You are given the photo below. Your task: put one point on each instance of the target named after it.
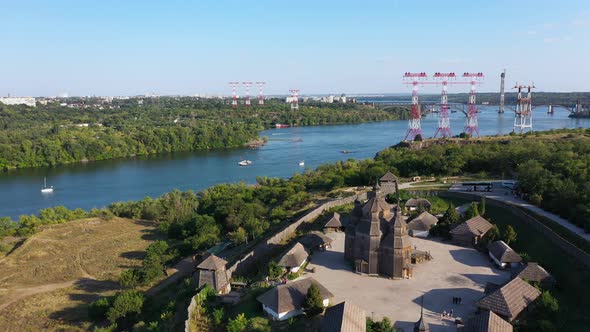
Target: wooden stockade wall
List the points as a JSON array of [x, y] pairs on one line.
[[264, 249], [562, 243], [190, 310]]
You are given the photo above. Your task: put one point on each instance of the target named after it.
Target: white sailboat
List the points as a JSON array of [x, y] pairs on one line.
[[46, 190], [245, 162]]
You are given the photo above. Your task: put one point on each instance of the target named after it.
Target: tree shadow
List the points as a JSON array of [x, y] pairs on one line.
[[134, 254], [92, 290], [17, 245]]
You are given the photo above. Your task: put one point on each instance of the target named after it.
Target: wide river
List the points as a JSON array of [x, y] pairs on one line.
[[97, 184]]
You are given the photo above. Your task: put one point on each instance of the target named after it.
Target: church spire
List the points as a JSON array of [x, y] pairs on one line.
[[421, 325], [397, 196]]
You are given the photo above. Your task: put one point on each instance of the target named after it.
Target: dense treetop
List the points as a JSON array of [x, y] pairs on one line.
[[89, 129]]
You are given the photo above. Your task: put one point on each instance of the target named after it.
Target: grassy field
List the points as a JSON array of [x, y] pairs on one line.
[[46, 283]]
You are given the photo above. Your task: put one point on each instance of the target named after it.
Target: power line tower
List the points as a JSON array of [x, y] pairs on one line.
[[444, 122], [294, 99], [502, 77], [414, 125], [523, 116], [234, 88], [260, 93], [471, 125], [247, 85]]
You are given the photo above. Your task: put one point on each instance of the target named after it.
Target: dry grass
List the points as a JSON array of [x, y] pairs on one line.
[[47, 282]]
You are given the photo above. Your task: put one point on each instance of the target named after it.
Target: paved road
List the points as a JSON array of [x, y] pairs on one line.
[[499, 194]]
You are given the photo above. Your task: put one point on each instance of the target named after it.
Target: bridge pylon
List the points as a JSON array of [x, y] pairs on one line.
[[523, 115], [414, 124], [471, 125], [444, 122], [234, 88]]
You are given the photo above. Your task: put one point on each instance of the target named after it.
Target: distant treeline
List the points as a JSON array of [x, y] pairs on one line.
[[568, 99], [51, 135]]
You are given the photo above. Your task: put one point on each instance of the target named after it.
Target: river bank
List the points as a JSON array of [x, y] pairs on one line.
[[97, 184]]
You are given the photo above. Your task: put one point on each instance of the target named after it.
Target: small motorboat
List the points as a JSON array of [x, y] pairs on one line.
[[345, 151], [301, 163], [245, 162], [45, 189]]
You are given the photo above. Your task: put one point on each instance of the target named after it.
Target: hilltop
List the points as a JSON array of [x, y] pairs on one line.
[[47, 282]]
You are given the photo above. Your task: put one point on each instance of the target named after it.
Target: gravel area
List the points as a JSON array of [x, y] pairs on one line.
[[454, 271]]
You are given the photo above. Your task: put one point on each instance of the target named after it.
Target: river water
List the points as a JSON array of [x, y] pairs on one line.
[[97, 184]]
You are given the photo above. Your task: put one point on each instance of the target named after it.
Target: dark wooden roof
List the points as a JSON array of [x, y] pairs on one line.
[[315, 239], [334, 222], [475, 226], [414, 202], [212, 263], [388, 177], [376, 204], [487, 321], [422, 222], [290, 296], [344, 317], [294, 257], [533, 272], [503, 252], [510, 299]]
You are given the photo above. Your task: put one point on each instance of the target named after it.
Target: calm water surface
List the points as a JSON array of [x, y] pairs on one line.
[[100, 183]]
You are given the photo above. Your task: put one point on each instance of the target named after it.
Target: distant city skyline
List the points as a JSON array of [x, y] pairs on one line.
[[114, 48]]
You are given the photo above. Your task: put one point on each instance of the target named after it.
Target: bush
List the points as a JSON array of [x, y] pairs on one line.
[[548, 303], [125, 304], [102, 214], [383, 326], [238, 324], [509, 235], [259, 324], [218, 316], [493, 234], [418, 138], [313, 304], [97, 310], [110, 328], [130, 278], [274, 271]]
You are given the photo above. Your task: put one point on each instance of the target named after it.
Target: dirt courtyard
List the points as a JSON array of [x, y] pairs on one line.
[[454, 271]]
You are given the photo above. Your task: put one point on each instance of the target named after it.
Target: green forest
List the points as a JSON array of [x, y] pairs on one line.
[[90, 130]]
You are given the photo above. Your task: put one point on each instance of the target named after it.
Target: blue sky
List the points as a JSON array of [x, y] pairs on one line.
[[186, 47]]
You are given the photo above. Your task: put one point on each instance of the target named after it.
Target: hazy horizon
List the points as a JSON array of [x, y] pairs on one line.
[[111, 48]]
